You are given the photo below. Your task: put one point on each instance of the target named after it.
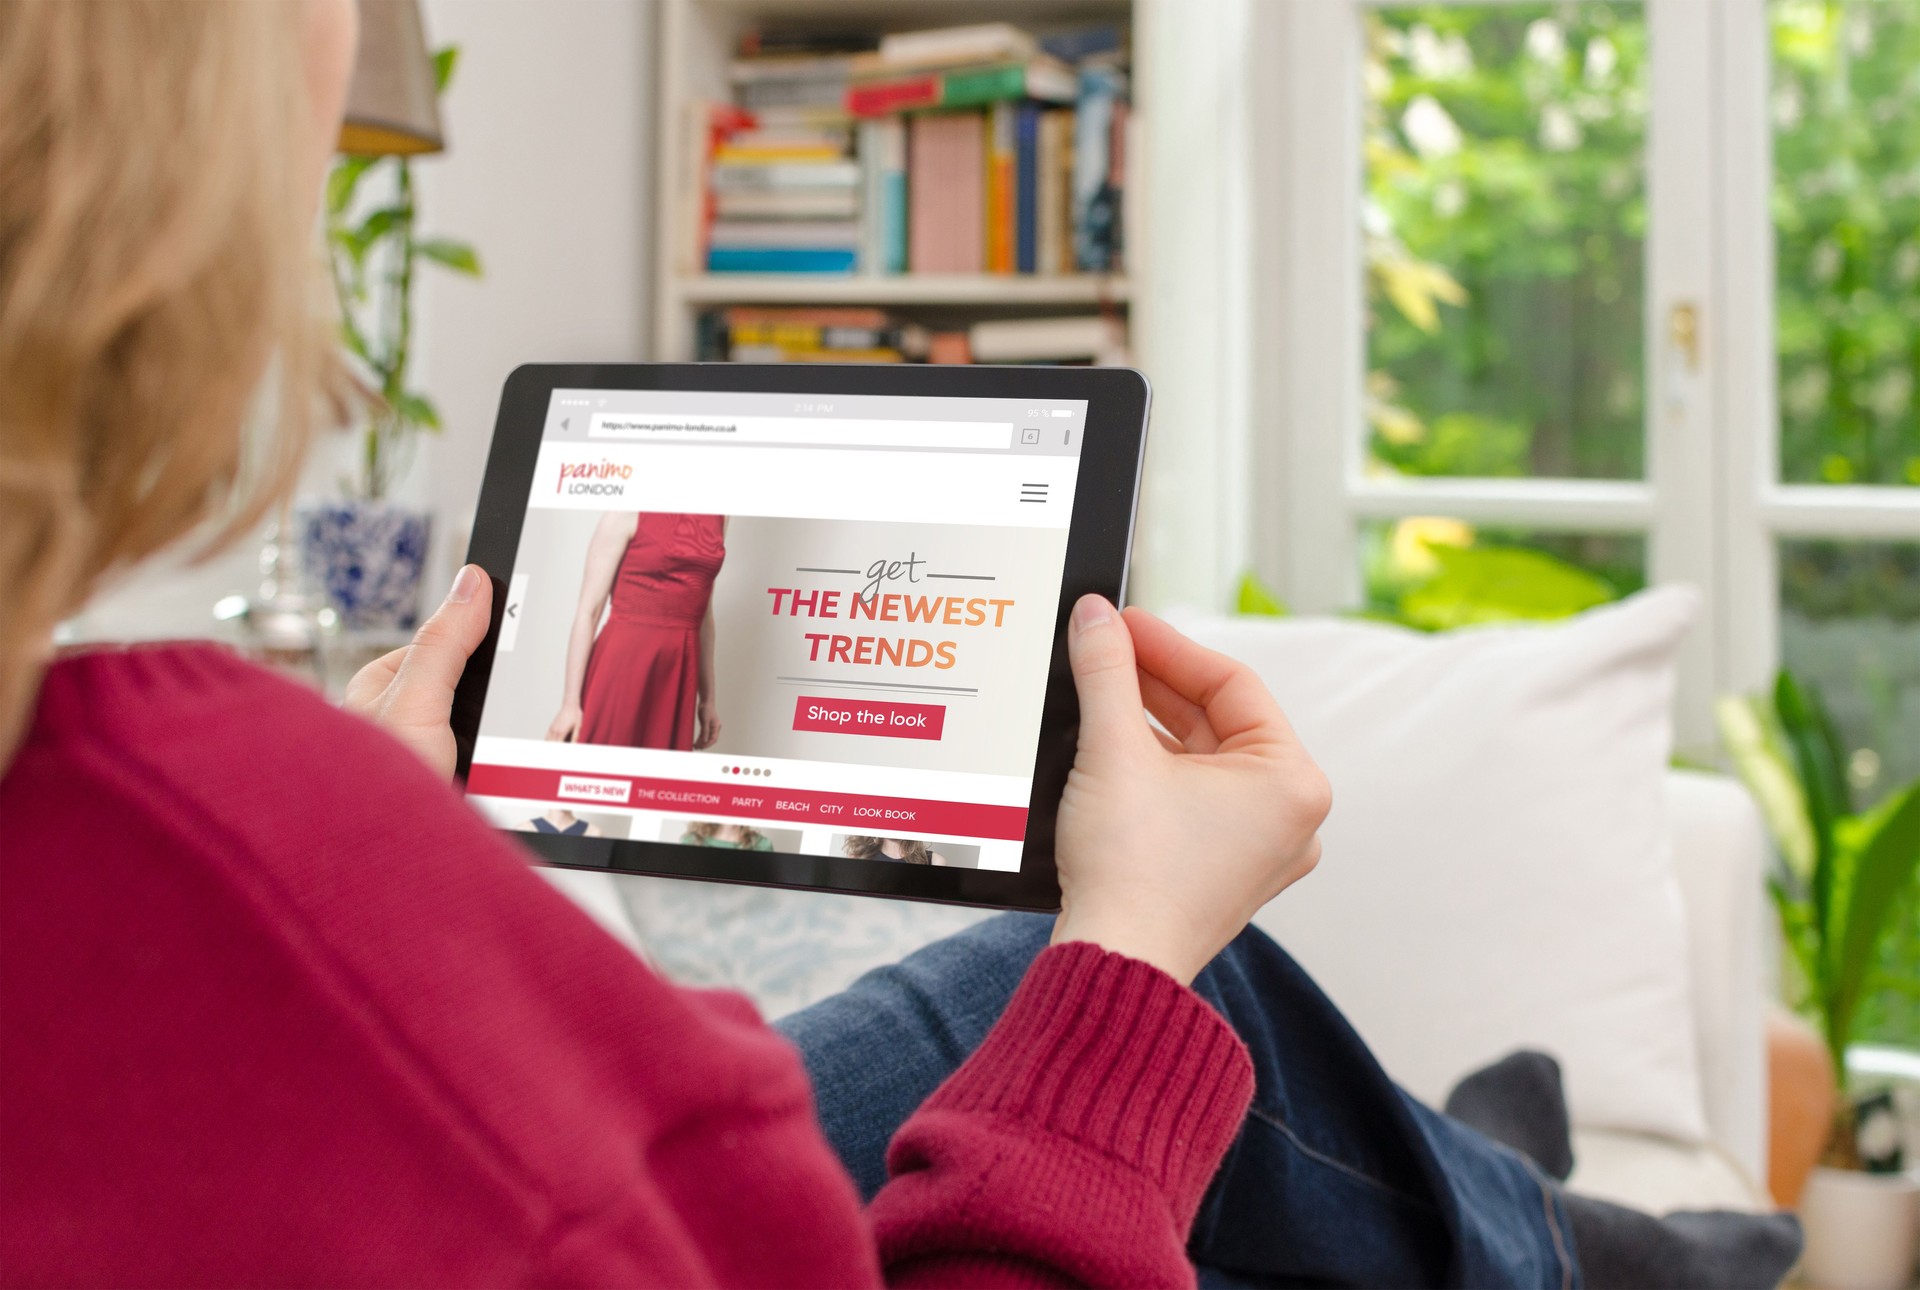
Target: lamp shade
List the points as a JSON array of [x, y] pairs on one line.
[[392, 109]]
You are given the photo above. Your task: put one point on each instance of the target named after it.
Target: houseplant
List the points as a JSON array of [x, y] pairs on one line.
[[1843, 875], [363, 548]]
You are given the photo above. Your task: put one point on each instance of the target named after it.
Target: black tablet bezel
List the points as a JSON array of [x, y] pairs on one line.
[[1099, 540]]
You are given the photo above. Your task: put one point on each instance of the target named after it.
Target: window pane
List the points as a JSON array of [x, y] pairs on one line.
[[1504, 228], [1850, 627], [1846, 200], [1436, 573]]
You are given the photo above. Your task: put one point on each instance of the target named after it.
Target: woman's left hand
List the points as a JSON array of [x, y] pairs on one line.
[[410, 691], [709, 723]]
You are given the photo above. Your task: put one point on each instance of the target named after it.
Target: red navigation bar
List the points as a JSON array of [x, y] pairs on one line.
[[855, 812]]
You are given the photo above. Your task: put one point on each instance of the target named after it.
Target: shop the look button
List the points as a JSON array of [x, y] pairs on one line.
[[870, 717]]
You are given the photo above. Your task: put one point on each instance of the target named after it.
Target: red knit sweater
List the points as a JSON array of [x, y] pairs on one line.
[[276, 1007]]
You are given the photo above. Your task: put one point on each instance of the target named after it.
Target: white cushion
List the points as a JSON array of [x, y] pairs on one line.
[[1498, 869], [1657, 1175]]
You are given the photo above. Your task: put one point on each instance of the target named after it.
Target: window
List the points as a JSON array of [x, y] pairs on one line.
[[1632, 286], [1570, 298]]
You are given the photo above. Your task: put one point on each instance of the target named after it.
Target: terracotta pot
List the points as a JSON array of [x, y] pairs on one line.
[[1800, 1096], [1862, 1230]]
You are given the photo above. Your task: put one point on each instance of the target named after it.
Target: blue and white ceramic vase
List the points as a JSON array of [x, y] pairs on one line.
[[367, 558]]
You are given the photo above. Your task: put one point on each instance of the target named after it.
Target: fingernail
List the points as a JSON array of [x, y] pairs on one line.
[[1090, 612], [465, 583]]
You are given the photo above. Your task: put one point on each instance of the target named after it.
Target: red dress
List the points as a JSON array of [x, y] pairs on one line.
[[643, 676]]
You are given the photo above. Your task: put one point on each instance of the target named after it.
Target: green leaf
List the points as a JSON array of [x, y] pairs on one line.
[[358, 241], [1811, 745], [1500, 584], [445, 60], [343, 181], [1884, 846], [416, 409], [457, 256], [1750, 735], [1254, 598]]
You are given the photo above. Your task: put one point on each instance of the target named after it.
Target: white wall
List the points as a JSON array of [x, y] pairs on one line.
[[547, 174]]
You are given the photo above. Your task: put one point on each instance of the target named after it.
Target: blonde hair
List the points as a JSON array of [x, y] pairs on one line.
[[156, 257]]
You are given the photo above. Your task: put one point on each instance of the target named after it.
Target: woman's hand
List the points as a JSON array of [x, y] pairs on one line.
[[708, 732], [566, 724], [1168, 845], [410, 691]]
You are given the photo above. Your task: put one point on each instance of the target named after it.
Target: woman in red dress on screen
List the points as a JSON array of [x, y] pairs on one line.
[[645, 680]]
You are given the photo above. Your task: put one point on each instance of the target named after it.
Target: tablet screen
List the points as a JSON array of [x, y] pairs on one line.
[[783, 623]]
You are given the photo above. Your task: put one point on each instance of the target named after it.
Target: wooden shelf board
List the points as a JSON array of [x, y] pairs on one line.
[[922, 289]]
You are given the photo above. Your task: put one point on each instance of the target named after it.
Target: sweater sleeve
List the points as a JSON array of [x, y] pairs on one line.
[[1074, 1147]]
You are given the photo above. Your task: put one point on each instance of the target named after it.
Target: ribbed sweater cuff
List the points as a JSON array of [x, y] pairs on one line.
[[1119, 1057]]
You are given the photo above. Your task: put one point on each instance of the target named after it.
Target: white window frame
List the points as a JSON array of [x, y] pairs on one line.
[[1711, 507]]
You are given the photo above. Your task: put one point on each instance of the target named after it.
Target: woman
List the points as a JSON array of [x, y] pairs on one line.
[[899, 850], [646, 679], [278, 1007]]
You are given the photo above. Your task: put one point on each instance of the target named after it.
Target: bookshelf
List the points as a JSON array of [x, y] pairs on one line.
[[697, 40]]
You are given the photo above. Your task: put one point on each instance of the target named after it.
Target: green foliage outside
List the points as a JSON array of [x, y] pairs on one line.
[[373, 254], [1846, 204]]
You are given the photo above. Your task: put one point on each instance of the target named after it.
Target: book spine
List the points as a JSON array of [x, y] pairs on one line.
[[1000, 142], [893, 195], [1026, 188], [880, 98], [978, 88], [873, 234], [771, 259], [1092, 197], [749, 177]]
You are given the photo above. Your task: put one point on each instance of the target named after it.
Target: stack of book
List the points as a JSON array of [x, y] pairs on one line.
[[834, 335], [977, 149]]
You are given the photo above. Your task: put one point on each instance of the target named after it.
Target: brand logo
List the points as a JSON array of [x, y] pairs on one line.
[[593, 478]]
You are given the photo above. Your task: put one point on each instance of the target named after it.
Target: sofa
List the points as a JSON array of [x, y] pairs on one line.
[[1663, 949]]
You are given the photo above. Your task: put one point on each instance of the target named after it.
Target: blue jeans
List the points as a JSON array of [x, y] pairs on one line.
[[1337, 1177]]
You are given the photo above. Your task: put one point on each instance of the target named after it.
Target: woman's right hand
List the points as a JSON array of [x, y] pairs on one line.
[[566, 726], [1167, 846]]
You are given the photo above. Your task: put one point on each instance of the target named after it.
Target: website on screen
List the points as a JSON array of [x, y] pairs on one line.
[[770, 622]]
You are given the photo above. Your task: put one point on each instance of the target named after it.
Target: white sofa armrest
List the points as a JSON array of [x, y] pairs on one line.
[[1720, 852]]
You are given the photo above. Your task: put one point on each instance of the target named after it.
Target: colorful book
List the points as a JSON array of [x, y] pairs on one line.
[[1036, 340], [785, 174], [1026, 187], [1040, 78], [787, 203], [883, 207], [774, 259], [815, 315], [1095, 204], [986, 42], [1001, 179], [794, 233], [780, 354], [1052, 252], [763, 152], [946, 162]]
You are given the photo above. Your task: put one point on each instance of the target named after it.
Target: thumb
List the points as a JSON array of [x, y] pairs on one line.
[[1100, 649], [423, 687]]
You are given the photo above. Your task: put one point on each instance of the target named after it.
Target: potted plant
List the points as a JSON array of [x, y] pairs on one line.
[[363, 549], [1842, 875]]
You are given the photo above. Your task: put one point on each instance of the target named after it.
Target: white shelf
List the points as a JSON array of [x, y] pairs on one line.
[[900, 289]]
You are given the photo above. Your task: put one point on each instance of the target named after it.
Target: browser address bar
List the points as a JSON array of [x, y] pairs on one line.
[[804, 431]]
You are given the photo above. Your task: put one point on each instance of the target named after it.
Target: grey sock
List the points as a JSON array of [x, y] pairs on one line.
[[1518, 1101], [1623, 1249]]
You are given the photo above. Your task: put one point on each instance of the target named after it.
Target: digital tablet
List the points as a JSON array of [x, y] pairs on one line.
[[796, 625]]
